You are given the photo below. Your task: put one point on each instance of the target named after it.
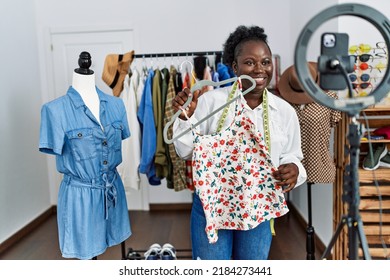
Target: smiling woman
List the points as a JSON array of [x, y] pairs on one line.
[[255, 146]]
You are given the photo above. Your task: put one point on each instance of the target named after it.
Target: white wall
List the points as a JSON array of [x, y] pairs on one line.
[[24, 189], [322, 194], [161, 26]]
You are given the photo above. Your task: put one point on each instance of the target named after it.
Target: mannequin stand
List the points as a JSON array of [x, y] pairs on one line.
[[352, 198], [310, 244]]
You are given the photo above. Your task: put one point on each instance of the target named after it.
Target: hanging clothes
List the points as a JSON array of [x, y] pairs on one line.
[[92, 209], [131, 147]]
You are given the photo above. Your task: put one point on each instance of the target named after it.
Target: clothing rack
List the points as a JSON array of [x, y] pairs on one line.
[[151, 55]]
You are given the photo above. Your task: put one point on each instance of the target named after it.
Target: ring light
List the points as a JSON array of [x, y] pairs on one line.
[[352, 105]]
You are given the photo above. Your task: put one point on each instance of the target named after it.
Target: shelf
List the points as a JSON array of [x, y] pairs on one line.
[[380, 174], [374, 199], [376, 109], [375, 141]]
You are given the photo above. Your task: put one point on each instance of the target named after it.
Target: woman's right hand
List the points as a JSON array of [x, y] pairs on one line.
[[181, 98]]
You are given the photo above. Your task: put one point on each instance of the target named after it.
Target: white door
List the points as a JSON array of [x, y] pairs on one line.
[[66, 47]]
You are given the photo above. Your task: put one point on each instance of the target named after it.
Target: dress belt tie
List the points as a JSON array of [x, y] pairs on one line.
[[109, 193]]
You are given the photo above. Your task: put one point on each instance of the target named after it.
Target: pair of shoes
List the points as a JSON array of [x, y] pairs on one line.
[[133, 255], [156, 252], [385, 161], [379, 153], [153, 253], [168, 252]]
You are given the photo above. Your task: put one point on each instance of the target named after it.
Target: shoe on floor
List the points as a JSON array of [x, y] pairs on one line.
[[153, 253], [168, 252], [385, 161], [379, 152], [133, 255]]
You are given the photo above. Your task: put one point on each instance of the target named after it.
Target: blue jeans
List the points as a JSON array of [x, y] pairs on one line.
[[251, 244]]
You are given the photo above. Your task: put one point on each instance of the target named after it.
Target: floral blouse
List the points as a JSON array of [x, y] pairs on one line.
[[232, 176]]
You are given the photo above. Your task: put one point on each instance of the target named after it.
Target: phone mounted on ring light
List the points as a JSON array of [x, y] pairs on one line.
[[198, 86], [351, 105]]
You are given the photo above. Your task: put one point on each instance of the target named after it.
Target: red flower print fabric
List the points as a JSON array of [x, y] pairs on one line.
[[232, 176]]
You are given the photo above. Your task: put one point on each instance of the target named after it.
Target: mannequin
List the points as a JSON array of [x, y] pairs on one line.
[[84, 83], [92, 211]]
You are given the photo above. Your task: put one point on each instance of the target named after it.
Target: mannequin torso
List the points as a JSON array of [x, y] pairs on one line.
[[85, 86]]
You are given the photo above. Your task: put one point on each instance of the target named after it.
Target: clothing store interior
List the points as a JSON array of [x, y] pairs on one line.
[[95, 158]]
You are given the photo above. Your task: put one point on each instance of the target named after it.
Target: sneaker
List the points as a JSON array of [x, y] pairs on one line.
[[133, 255], [385, 161], [379, 152], [168, 252], [153, 253]]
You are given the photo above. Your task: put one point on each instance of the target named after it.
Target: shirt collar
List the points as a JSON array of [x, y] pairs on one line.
[[271, 101], [77, 99]]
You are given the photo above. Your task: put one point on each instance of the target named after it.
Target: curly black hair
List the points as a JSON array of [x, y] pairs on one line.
[[242, 34]]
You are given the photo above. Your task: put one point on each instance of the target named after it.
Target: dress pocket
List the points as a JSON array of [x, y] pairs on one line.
[[82, 143], [116, 135]]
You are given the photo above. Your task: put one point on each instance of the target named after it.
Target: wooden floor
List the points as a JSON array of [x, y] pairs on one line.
[[157, 227]]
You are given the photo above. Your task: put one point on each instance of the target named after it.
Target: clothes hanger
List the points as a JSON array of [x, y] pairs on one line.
[[198, 86], [191, 70]]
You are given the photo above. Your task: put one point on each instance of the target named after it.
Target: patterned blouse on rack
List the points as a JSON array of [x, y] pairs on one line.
[[232, 176]]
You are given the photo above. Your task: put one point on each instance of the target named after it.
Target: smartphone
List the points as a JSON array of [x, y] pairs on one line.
[[332, 45]]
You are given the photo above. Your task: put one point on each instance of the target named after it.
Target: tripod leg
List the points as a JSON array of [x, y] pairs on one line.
[[334, 238], [310, 244]]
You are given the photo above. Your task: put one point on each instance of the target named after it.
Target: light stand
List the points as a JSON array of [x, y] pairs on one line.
[[352, 106], [351, 196], [310, 242]]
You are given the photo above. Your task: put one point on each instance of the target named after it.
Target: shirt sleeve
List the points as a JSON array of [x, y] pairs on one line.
[[184, 145], [126, 130], [51, 139]]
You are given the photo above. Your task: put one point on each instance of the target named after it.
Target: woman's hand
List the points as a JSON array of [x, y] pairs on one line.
[[286, 176], [181, 98]]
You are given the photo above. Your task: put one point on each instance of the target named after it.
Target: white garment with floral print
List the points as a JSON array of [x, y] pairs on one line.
[[232, 176]]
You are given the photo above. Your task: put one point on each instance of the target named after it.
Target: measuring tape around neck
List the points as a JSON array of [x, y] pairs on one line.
[[222, 119]]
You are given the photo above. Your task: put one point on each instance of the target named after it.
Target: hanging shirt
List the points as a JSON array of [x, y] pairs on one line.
[[316, 122], [148, 132], [92, 211], [177, 172], [232, 173], [224, 73], [131, 147], [160, 159]]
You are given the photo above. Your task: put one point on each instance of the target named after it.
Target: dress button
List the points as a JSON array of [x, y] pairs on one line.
[[105, 162], [104, 143], [80, 135]]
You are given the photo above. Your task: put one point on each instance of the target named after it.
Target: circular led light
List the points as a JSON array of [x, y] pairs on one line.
[[350, 105]]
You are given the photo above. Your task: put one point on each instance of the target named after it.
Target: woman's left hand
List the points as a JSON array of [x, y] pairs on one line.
[[286, 176]]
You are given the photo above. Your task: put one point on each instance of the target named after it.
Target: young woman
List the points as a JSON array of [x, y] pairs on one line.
[[244, 157]]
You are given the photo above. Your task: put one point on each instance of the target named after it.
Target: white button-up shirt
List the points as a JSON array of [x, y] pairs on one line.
[[285, 136]]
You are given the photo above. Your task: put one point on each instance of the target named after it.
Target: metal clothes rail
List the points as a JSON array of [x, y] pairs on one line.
[[176, 54]]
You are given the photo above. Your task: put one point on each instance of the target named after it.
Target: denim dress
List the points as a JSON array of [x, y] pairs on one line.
[[92, 211]]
